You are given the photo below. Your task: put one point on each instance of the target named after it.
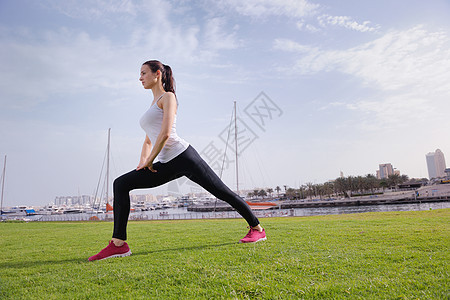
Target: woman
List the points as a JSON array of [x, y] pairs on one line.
[[176, 159]]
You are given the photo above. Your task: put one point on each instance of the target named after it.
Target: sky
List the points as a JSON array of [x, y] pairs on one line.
[[321, 87]]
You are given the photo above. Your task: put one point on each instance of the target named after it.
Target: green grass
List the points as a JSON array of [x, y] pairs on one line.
[[394, 255]]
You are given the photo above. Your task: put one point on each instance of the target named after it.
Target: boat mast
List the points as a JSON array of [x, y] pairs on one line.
[[107, 166], [236, 147], [3, 185]]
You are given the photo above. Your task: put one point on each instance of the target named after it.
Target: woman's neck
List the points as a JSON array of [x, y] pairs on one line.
[[157, 91]]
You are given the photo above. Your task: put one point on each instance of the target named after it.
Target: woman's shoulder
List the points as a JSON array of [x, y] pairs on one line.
[[169, 98]]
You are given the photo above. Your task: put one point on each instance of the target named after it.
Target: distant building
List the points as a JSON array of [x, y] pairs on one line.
[[447, 172], [385, 170], [146, 198], [73, 200], [436, 164]]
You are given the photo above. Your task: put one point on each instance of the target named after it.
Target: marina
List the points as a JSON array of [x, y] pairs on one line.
[[285, 210], [98, 207]]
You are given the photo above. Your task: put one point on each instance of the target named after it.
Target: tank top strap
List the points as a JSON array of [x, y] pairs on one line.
[[159, 98]]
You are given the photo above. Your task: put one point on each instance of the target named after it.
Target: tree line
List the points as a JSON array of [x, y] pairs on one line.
[[340, 187]]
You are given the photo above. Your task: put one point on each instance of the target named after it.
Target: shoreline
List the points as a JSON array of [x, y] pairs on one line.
[[290, 204], [183, 214]]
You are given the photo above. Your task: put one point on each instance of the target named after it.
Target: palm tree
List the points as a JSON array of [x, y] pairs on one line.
[[372, 182], [311, 189], [278, 189], [341, 185], [302, 190], [328, 189], [404, 178], [359, 184], [270, 191], [394, 180], [290, 193], [351, 183], [320, 190], [262, 193], [383, 184]]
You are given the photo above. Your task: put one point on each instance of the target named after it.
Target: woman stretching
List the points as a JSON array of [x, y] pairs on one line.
[[176, 159]]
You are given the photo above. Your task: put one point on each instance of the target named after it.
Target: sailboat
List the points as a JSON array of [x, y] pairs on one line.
[[109, 207], [253, 204], [224, 207], [3, 187], [16, 211]]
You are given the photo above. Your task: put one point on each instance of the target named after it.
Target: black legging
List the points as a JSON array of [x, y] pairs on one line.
[[189, 164]]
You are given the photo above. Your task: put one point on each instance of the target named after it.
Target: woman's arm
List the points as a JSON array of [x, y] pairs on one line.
[[169, 107], [146, 149]]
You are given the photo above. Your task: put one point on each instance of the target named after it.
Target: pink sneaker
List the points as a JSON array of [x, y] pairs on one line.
[[254, 236], [112, 251]]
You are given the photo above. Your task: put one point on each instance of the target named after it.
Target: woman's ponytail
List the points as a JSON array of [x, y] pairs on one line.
[[167, 79]]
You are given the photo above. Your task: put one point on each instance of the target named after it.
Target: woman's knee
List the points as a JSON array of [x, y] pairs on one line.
[[121, 184]]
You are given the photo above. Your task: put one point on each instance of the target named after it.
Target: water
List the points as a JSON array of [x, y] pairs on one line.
[[370, 208], [182, 213]]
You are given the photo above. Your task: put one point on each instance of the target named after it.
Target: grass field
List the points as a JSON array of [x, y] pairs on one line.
[[394, 255]]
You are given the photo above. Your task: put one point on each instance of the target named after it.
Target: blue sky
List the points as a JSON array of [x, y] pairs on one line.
[[357, 84]]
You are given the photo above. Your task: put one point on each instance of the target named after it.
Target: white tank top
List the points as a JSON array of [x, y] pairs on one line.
[[151, 122]]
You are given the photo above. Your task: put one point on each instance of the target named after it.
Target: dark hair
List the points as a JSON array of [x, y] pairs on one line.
[[167, 79]]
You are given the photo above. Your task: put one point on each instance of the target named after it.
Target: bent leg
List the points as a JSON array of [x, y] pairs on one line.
[[135, 180]]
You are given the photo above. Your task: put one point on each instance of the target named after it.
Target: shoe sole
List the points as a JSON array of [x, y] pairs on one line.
[[117, 255], [261, 239]]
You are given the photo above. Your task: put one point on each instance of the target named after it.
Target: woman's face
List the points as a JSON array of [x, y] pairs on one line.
[[148, 78]]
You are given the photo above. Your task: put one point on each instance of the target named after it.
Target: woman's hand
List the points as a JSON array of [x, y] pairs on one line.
[[143, 165]]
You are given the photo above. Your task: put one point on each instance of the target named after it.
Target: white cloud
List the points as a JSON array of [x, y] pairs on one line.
[[301, 25], [291, 46], [347, 22], [36, 65], [57, 62], [264, 8], [407, 73], [412, 58], [216, 38], [93, 10], [404, 111]]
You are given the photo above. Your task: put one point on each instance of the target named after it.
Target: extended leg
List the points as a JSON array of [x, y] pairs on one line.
[[198, 171]]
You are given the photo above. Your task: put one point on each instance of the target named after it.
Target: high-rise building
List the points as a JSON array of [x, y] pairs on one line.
[[436, 164], [385, 170]]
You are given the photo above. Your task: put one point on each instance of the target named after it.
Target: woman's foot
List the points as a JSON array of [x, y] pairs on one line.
[[112, 251], [258, 227], [254, 235], [117, 242]]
